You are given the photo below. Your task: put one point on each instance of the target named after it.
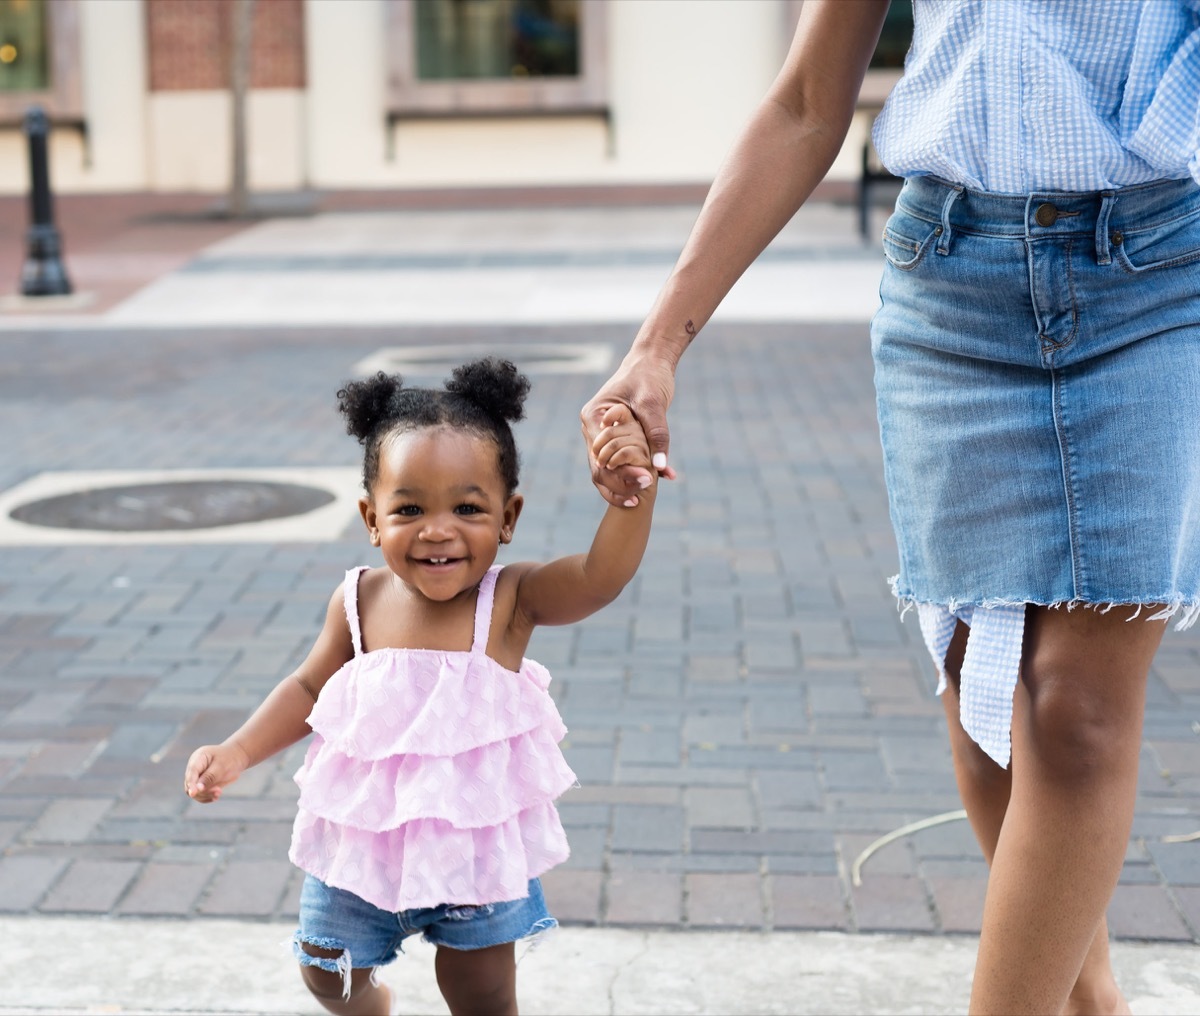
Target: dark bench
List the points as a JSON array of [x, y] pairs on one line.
[[872, 172]]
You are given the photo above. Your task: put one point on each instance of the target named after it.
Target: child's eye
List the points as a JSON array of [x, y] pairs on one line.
[[408, 509], [467, 509]]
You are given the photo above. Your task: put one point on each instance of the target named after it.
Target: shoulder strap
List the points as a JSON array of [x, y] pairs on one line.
[[483, 608], [350, 595]]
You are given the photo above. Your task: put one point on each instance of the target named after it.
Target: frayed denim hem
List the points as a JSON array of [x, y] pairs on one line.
[[1170, 605], [532, 937], [340, 964], [537, 935]]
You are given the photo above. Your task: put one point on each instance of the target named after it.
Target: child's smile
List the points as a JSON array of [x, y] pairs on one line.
[[439, 509]]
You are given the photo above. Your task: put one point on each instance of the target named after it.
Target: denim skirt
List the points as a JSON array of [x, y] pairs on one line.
[[1037, 368]]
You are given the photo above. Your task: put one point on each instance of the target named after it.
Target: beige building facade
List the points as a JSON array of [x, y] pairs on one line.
[[368, 94]]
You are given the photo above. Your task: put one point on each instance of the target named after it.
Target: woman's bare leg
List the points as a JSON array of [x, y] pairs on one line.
[[1077, 724], [985, 789]]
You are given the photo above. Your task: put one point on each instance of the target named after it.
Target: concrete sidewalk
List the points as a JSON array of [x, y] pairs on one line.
[[510, 265], [238, 967]]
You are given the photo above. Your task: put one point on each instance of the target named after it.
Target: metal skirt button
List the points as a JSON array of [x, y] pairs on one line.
[[1046, 214]]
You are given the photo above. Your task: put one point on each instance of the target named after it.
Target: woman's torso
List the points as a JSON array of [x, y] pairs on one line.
[[1015, 96]]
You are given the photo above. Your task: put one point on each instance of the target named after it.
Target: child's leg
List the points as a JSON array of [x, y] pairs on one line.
[[328, 987], [1076, 738], [476, 951], [479, 982], [985, 789], [342, 939]]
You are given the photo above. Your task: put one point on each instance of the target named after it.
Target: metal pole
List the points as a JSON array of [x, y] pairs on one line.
[[43, 273], [239, 86]]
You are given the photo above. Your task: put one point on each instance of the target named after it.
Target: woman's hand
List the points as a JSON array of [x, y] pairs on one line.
[[646, 386]]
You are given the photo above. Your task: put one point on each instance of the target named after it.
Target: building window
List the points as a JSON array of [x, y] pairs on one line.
[[24, 46], [887, 62], [495, 57], [497, 39], [895, 37], [39, 61]]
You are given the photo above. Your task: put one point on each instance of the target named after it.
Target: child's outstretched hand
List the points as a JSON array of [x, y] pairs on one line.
[[622, 442], [211, 769]]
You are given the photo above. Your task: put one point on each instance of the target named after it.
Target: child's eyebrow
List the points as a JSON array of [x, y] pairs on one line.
[[470, 488]]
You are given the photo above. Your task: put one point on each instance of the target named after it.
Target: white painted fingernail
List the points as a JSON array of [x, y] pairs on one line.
[[644, 482], [631, 503], [659, 460]]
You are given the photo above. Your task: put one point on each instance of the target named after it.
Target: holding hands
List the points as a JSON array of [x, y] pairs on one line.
[[625, 428], [620, 448]]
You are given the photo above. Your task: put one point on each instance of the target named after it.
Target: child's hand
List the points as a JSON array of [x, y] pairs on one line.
[[622, 442], [211, 769]]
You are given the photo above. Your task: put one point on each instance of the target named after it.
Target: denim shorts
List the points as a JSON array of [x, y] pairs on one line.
[[332, 918], [1037, 366]]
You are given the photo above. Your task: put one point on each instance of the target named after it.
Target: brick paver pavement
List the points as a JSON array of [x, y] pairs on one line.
[[745, 720]]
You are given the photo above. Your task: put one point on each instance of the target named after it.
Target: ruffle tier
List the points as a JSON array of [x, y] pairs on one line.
[[445, 704], [485, 786], [429, 862]]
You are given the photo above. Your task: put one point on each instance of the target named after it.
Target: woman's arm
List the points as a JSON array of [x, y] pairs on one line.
[[781, 155], [280, 721]]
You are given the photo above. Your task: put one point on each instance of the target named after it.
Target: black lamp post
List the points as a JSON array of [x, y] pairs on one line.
[[43, 273]]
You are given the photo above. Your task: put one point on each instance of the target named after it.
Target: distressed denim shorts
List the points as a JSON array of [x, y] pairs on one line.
[[1037, 364], [332, 918], [1037, 368]]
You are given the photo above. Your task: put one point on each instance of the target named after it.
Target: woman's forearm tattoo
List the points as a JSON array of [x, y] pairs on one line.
[[690, 329]]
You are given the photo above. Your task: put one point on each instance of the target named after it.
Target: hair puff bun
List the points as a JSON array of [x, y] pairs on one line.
[[369, 403], [495, 385]]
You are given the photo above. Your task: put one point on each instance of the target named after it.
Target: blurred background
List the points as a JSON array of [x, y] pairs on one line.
[[144, 95]]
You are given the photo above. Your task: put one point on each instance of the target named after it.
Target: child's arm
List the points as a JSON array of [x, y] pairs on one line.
[[280, 721], [571, 588]]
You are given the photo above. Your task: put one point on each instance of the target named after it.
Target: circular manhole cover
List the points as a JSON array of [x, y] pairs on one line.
[[187, 504]]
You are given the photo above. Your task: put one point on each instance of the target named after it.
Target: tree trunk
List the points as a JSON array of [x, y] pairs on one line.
[[239, 86]]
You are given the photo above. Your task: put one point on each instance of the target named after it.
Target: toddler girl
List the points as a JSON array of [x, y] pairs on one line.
[[427, 794]]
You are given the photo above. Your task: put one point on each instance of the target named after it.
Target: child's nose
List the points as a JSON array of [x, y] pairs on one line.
[[437, 529]]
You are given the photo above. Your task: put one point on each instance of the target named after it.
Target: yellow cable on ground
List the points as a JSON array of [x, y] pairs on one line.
[[895, 834]]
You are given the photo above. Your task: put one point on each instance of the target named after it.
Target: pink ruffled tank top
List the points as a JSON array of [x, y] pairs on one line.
[[431, 776]]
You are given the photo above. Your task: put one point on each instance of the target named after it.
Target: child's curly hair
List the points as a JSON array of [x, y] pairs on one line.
[[484, 396]]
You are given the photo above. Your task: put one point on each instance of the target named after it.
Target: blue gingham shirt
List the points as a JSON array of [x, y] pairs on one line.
[[1014, 96]]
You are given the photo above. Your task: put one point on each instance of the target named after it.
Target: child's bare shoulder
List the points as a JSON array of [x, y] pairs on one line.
[[371, 583], [508, 581], [508, 586]]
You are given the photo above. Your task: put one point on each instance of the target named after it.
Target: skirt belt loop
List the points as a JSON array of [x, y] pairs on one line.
[[1103, 253], [943, 246]]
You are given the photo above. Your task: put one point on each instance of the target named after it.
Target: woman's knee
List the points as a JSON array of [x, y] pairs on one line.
[[1083, 699], [1073, 737]]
